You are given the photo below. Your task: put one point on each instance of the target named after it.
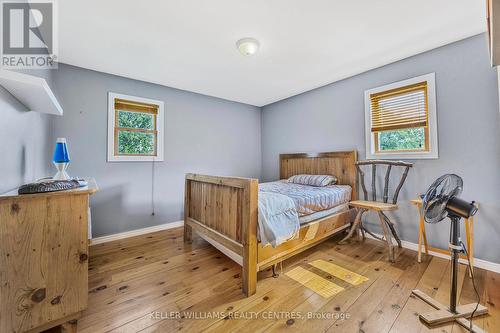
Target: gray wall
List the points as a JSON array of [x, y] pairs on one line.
[[332, 118], [210, 135], [25, 140], [202, 135]]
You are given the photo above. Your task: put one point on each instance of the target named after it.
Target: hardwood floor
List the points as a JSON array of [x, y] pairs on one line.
[[156, 283]]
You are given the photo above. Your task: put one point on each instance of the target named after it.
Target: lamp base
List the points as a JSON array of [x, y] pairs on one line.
[[61, 175], [61, 171]]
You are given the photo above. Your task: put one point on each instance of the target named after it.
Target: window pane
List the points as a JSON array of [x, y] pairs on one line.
[[136, 143], [136, 120], [405, 139]]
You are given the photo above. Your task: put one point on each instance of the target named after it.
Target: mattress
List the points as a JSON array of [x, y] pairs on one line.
[[310, 199], [324, 213]]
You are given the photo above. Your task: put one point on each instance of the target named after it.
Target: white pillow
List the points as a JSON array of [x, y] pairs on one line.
[[313, 180]]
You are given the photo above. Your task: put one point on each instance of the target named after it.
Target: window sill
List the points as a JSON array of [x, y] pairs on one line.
[[402, 156], [135, 159]]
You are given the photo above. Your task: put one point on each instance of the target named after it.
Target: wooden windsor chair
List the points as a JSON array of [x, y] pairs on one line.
[[380, 208]]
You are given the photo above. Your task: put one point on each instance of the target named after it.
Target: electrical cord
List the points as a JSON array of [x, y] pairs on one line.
[[153, 188], [473, 284]]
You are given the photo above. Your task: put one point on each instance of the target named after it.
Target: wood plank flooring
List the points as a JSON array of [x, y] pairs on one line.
[[156, 283]]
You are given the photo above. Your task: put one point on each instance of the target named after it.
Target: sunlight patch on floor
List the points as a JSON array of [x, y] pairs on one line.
[[316, 283], [320, 285], [339, 272]]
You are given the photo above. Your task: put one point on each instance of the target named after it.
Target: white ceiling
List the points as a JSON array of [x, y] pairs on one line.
[[190, 44]]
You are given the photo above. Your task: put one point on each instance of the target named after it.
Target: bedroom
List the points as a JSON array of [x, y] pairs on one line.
[[208, 106]]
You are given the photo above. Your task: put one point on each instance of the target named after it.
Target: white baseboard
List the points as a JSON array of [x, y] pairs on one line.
[[137, 232], [479, 263]]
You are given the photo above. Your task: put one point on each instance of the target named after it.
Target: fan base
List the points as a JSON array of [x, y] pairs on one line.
[[443, 315]]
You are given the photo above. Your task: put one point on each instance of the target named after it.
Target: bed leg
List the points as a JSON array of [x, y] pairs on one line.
[[188, 233], [275, 275], [249, 273], [249, 237], [188, 230]]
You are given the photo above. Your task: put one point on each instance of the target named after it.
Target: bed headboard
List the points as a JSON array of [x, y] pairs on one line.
[[337, 163]]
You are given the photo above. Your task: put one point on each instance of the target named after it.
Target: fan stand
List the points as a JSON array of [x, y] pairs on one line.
[[456, 313]]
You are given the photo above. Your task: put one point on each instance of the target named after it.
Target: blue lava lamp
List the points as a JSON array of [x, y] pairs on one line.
[[61, 159]]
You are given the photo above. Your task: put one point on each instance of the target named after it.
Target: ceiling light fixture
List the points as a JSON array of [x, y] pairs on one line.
[[248, 46]]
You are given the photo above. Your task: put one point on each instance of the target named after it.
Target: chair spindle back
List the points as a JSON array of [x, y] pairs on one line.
[[389, 164]]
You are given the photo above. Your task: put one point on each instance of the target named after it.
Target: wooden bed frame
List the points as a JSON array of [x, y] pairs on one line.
[[223, 211]]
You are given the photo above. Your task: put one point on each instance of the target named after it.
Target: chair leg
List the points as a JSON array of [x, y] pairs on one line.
[[471, 236], [424, 235], [388, 237], [374, 236], [419, 248], [393, 230], [468, 237], [354, 227], [362, 231]]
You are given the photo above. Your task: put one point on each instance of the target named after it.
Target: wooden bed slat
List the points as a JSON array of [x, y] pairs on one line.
[[215, 206], [220, 238]]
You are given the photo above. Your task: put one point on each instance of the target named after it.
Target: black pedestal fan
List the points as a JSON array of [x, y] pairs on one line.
[[441, 201]]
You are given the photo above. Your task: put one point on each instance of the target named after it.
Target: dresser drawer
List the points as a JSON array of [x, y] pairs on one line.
[[43, 259]]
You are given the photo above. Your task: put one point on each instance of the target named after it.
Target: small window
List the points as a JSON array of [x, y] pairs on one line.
[[401, 120], [135, 129]]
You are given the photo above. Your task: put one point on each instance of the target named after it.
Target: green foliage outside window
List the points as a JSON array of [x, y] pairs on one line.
[[136, 143], [135, 120], [405, 139]]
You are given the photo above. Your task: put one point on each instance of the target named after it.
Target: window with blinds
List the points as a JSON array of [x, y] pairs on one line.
[[134, 129], [398, 117]]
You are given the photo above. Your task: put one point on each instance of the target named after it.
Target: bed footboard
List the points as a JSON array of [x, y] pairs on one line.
[[223, 210]]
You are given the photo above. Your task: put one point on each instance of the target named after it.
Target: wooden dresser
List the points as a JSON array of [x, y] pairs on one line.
[[43, 258]]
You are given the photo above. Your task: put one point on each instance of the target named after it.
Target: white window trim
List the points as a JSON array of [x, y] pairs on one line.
[[431, 104], [111, 127]]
